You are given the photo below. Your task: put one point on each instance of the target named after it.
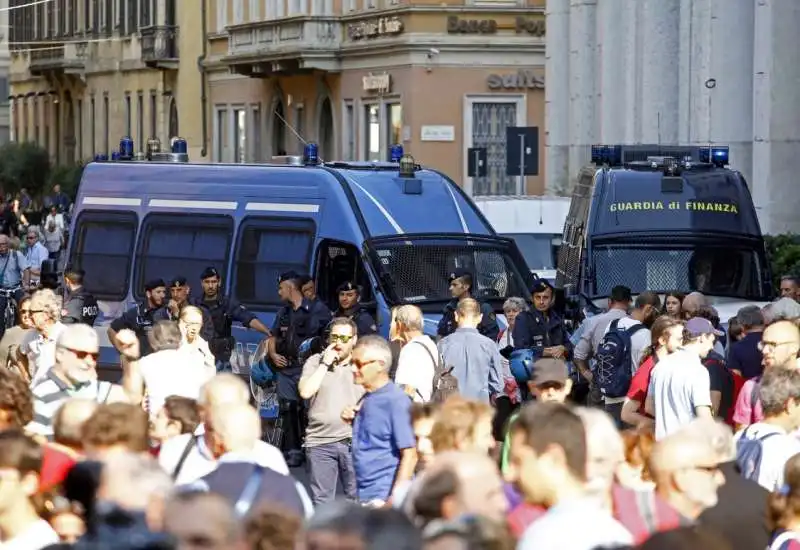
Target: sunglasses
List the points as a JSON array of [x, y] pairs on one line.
[[82, 354], [343, 338], [360, 365]]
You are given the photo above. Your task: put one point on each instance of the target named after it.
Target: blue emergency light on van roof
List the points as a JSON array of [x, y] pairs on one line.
[[718, 155], [396, 153], [100, 157], [607, 154], [179, 146], [126, 148], [310, 154], [115, 156]]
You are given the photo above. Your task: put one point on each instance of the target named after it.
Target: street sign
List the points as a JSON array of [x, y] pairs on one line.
[[476, 163], [522, 151]]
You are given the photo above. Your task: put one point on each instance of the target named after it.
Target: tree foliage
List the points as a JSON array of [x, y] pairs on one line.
[[24, 165], [783, 253]]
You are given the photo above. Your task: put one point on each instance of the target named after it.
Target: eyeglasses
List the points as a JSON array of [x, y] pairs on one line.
[[26, 311], [83, 354], [343, 338], [360, 365], [32, 311], [762, 344]]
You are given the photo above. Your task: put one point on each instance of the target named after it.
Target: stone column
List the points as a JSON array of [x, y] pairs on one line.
[[556, 93], [612, 43], [582, 86]]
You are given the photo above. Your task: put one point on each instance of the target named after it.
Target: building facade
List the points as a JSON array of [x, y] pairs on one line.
[[679, 71], [85, 73], [5, 99], [456, 82]]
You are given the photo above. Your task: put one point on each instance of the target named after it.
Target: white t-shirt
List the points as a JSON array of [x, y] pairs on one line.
[[415, 367], [169, 372], [640, 341], [776, 450], [41, 352], [39, 535], [200, 462], [679, 384]]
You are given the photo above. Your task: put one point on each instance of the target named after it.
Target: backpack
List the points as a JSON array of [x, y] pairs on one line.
[[445, 383], [613, 370], [749, 453], [781, 539]]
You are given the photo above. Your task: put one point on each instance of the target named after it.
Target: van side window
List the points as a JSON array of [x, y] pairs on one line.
[[268, 247], [103, 247], [337, 263], [172, 245]]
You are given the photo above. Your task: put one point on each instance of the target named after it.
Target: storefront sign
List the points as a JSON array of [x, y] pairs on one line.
[[384, 26], [438, 133], [521, 80], [456, 25], [534, 27], [377, 83]]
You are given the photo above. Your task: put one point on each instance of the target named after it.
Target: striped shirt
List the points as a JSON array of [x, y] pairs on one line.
[[52, 392]]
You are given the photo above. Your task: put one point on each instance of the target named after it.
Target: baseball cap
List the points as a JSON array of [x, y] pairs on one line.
[[458, 273], [549, 370], [209, 272], [697, 326]]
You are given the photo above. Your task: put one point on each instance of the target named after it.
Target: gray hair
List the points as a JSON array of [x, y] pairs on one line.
[[791, 278], [164, 335], [47, 300], [515, 303], [785, 308], [750, 316], [123, 471], [379, 347], [410, 316], [778, 387]]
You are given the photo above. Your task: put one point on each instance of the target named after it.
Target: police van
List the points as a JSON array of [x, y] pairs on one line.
[[664, 218], [395, 228]]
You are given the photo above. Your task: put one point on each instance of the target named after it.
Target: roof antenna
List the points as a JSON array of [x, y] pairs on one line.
[[293, 130], [658, 115]]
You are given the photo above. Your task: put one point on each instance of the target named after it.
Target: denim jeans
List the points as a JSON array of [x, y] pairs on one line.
[[329, 463]]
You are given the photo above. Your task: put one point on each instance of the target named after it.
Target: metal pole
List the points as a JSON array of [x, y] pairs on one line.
[[521, 188]]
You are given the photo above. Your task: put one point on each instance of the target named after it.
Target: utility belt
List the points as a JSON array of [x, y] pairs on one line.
[[222, 346]]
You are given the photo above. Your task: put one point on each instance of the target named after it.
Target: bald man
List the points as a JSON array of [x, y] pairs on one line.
[[188, 457], [685, 467], [191, 517], [692, 304], [238, 476], [458, 484], [68, 422]]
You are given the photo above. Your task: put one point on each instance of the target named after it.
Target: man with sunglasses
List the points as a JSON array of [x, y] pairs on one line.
[[327, 382], [73, 375]]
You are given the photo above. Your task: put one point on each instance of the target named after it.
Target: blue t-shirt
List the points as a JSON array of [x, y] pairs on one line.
[[381, 429]]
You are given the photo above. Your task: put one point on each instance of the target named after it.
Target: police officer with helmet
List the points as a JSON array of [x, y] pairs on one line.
[[222, 311], [461, 282], [299, 320], [350, 307], [80, 306], [141, 317]]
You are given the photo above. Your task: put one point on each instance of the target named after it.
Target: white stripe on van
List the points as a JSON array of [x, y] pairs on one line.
[[380, 207], [281, 207], [111, 201], [210, 205], [458, 208]]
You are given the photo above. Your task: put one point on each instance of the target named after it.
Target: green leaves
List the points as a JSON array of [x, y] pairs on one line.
[[24, 165], [783, 252]]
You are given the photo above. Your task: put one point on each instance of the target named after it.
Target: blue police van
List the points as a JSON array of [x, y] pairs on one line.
[[664, 218], [395, 228]]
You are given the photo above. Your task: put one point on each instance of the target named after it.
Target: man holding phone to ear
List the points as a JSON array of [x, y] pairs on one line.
[[327, 383]]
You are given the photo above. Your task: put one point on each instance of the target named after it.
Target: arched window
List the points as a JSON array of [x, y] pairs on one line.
[[173, 119]]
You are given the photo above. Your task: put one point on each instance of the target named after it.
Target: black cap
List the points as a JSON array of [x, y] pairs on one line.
[[154, 284], [178, 282], [540, 285], [459, 272], [347, 287], [288, 276], [209, 272]]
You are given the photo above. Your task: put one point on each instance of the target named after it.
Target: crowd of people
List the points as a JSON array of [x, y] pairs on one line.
[[649, 427]]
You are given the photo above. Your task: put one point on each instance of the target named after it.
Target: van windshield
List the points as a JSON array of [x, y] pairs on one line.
[[721, 269], [416, 268]]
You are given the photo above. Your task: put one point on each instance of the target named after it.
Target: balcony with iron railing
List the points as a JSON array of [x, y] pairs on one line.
[[160, 46], [63, 58]]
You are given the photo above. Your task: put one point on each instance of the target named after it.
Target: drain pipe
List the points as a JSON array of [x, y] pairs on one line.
[[204, 78]]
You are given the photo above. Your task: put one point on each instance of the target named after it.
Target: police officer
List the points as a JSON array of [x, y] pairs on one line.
[[79, 304], [295, 322], [179, 292], [222, 312], [349, 306], [141, 317], [542, 329], [461, 287]]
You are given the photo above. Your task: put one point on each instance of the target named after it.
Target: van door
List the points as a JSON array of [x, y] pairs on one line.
[[338, 262]]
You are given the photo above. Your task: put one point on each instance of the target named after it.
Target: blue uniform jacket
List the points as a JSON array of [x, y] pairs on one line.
[[365, 324], [533, 330]]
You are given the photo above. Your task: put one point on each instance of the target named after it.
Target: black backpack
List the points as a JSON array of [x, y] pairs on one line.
[[614, 370]]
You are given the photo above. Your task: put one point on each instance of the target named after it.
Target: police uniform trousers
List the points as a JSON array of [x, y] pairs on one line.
[[293, 412]]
